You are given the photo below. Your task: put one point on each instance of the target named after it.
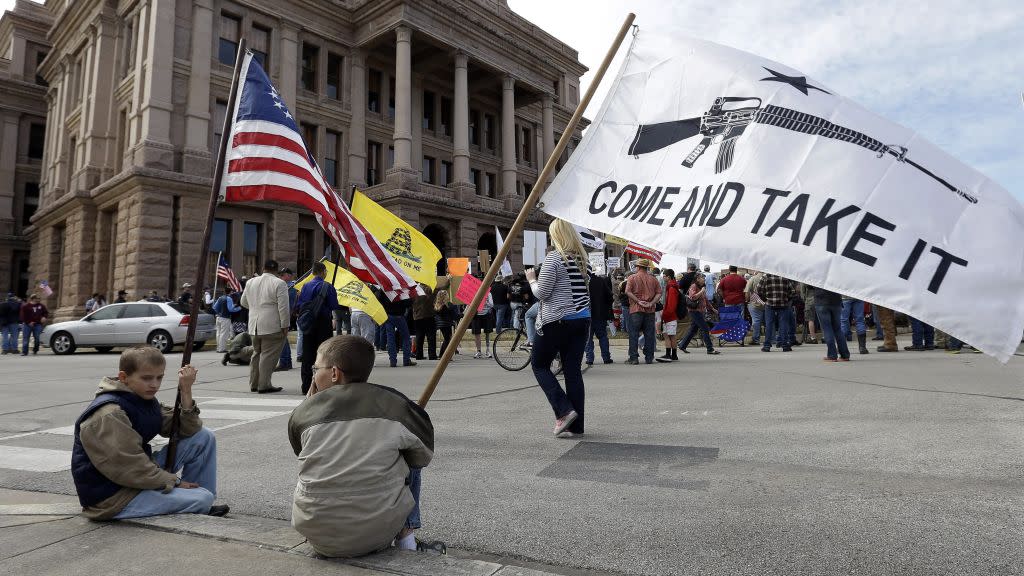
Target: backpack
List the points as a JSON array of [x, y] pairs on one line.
[[308, 312], [681, 310], [691, 303]]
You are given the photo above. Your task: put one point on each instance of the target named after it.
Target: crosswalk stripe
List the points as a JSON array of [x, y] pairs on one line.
[[48, 460], [262, 402], [34, 459]]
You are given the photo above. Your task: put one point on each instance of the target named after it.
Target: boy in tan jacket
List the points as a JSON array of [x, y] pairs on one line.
[[116, 473]]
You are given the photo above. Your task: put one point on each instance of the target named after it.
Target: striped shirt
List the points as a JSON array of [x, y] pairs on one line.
[[561, 289]]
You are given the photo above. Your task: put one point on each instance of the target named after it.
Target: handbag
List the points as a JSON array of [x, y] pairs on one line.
[[310, 310]]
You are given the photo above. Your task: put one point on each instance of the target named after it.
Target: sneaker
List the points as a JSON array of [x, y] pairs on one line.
[[663, 359], [219, 510], [633, 362], [488, 354], [827, 359], [433, 547], [609, 361], [589, 362], [408, 363], [953, 350], [765, 349], [565, 421], [914, 348], [568, 435], [478, 355], [847, 359], [787, 349], [713, 352]]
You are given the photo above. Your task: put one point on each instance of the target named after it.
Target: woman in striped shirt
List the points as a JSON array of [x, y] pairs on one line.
[[563, 325]]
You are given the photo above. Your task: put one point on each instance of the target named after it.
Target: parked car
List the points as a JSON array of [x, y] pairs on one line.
[[159, 324]]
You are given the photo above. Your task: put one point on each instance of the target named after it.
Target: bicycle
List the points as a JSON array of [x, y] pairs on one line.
[[512, 351]]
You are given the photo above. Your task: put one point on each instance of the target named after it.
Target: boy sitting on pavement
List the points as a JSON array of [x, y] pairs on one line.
[[115, 471], [360, 449]]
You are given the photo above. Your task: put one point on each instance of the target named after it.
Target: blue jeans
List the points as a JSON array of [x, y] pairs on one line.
[[857, 307], [784, 332], [643, 325], [598, 330], [877, 318], [503, 317], [757, 319], [403, 333], [531, 322], [923, 334], [9, 335], [565, 338], [298, 345], [413, 520], [697, 323], [828, 319], [34, 331], [286, 353], [197, 459]]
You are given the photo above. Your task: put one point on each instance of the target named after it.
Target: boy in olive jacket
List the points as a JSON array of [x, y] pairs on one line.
[[360, 449], [116, 473]]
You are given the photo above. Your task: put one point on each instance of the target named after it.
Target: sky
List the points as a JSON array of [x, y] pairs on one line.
[[953, 71]]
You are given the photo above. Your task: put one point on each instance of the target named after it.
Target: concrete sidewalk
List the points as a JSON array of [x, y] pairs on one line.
[[42, 534]]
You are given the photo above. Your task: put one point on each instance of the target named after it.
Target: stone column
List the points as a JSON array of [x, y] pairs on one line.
[[403, 99], [289, 66], [149, 220], [508, 138], [464, 190], [417, 127], [198, 158], [141, 34], [18, 63], [58, 137], [8, 162], [548, 127], [156, 149], [77, 261], [357, 128], [282, 239], [100, 133]]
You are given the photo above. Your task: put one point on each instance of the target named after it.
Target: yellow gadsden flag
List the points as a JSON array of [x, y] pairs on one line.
[[351, 292], [407, 245]]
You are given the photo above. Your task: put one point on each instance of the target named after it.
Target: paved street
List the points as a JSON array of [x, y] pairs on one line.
[[743, 463]]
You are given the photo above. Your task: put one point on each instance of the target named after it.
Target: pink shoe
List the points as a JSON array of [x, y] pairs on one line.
[[564, 422]]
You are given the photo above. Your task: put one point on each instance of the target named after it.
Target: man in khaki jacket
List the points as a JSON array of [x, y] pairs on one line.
[[266, 297]]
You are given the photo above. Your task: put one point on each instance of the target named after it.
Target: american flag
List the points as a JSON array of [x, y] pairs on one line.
[[644, 252], [268, 160], [225, 273]]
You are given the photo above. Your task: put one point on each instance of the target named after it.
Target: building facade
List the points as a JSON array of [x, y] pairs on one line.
[[443, 111], [23, 46]]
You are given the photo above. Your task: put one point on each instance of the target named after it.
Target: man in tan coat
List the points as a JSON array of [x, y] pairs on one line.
[[266, 297]]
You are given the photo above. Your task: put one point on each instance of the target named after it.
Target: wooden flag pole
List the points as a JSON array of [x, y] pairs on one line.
[[218, 176], [524, 213]]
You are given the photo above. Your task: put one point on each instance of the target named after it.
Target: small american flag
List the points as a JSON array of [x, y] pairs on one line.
[[644, 252], [225, 273], [267, 160]]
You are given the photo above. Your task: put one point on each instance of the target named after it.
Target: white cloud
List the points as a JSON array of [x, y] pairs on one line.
[[950, 70]]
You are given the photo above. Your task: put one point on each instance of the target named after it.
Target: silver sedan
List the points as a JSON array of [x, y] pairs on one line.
[[159, 324]]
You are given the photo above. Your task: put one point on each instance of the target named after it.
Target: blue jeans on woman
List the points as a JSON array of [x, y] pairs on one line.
[[697, 323], [757, 320], [398, 322], [828, 319], [566, 338], [197, 459]]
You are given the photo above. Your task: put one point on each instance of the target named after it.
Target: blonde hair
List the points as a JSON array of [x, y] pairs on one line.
[[441, 300], [135, 358], [566, 240]]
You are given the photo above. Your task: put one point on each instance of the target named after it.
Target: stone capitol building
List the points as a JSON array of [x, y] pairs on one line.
[[443, 111]]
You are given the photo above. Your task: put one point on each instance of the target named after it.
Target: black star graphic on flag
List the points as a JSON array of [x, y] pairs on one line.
[[798, 82]]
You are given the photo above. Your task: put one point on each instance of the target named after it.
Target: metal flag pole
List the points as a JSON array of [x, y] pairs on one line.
[[524, 213], [218, 176]]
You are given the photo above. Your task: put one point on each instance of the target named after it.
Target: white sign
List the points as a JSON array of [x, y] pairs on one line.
[[614, 262], [535, 246], [597, 262], [703, 150], [506, 267]]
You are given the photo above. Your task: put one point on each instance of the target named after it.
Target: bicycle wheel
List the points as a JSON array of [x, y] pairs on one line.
[[509, 349]]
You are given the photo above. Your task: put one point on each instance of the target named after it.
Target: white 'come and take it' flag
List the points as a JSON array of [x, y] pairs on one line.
[[704, 151]]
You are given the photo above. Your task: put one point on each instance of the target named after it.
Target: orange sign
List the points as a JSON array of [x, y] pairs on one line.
[[458, 266]]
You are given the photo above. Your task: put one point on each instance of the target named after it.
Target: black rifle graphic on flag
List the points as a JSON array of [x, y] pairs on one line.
[[730, 116]]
